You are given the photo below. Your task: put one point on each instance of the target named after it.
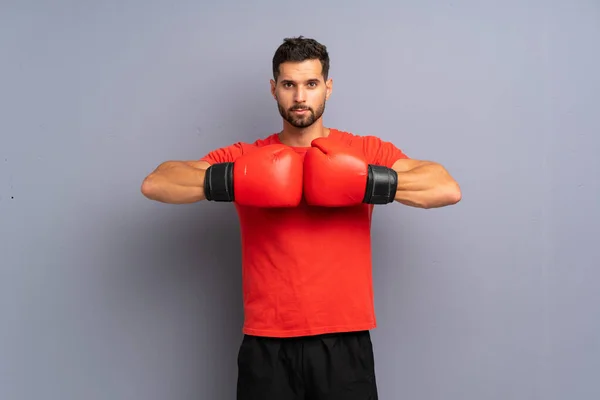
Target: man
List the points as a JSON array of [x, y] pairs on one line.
[[305, 196]]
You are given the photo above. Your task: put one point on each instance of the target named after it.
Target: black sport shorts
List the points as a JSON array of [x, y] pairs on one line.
[[323, 367]]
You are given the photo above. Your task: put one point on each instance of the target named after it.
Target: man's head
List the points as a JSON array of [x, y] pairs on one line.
[[300, 83]]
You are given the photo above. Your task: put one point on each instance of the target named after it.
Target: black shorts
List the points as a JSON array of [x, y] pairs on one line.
[[323, 367]]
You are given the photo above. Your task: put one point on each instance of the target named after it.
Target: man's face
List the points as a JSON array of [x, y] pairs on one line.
[[301, 92]]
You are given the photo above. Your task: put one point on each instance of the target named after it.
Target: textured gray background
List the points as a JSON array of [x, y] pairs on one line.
[[106, 295]]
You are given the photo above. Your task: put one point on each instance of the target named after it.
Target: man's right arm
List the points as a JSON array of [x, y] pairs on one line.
[[176, 182]]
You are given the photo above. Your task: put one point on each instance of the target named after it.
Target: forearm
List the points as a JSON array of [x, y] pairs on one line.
[[427, 185], [175, 182]]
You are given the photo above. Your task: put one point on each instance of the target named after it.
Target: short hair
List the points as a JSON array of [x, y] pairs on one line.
[[300, 49]]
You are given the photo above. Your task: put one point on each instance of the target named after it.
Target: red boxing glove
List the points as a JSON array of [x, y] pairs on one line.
[[336, 175], [270, 176]]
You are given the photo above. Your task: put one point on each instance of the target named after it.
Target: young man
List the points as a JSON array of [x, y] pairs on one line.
[[305, 197]]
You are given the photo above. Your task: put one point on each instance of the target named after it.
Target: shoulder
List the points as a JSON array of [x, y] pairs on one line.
[[245, 147], [232, 152], [375, 149], [261, 142], [356, 140], [272, 138]]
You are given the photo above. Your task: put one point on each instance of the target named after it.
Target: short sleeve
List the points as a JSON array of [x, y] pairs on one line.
[[380, 152], [224, 154]]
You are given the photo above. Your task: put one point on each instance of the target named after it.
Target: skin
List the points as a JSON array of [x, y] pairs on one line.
[[302, 87]]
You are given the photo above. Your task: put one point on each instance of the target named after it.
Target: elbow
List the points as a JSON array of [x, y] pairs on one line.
[[148, 187], [454, 194], [448, 195], [151, 185]]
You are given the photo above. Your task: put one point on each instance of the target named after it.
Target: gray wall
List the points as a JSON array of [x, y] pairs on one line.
[[107, 295]]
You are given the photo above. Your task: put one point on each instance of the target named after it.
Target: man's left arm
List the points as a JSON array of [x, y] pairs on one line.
[[425, 184], [334, 176], [422, 184]]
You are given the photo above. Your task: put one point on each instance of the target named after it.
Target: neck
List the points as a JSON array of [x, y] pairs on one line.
[[302, 137]]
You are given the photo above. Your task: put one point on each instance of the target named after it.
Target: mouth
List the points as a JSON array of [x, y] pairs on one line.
[[300, 111]]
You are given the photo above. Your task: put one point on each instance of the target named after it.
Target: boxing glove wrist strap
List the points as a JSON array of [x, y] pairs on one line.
[[382, 183], [218, 182]]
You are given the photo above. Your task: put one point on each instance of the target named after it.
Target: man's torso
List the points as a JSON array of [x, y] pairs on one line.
[[307, 270]]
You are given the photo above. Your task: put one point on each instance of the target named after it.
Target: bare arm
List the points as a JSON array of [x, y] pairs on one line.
[[176, 182], [425, 184]]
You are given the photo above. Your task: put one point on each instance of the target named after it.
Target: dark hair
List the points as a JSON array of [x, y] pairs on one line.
[[300, 49]]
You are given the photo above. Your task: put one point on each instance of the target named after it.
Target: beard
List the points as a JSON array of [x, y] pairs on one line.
[[301, 121]]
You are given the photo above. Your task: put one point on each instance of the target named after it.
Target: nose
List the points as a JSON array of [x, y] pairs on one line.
[[300, 95]]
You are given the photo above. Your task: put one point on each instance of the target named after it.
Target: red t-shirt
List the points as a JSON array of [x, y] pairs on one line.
[[307, 270]]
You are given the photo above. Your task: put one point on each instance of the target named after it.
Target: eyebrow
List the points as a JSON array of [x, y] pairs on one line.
[[292, 81]]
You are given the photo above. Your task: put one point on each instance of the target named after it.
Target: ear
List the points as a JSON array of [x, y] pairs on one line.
[[329, 85], [273, 86]]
